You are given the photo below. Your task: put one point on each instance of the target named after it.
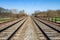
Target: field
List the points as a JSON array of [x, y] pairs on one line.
[[55, 20], [2, 20]]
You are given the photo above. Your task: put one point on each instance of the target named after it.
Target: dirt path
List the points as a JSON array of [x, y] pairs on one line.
[[30, 32]]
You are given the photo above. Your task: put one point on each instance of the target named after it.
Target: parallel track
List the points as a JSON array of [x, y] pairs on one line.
[[49, 33], [57, 28], [2, 29], [54, 28], [9, 32]]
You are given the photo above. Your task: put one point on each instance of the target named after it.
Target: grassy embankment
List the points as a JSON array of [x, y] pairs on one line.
[[55, 20], [3, 20]]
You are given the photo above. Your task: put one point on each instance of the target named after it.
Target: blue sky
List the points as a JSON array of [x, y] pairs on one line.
[[30, 5]]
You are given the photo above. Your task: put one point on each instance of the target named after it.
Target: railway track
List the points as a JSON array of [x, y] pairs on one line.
[[56, 28], [48, 32], [26, 32], [7, 33], [9, 25]]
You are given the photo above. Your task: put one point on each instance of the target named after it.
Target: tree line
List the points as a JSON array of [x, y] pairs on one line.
[[50, 14], [4, 13]]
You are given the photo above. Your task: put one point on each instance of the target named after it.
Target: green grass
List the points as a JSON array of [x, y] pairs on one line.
[[5, 20], [55, 19]]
